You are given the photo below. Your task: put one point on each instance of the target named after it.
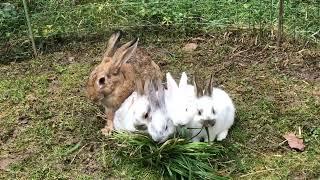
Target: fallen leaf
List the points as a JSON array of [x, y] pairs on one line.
[[189, 47], [294, 142]]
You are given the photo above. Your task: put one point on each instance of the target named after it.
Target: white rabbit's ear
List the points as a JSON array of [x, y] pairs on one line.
[[146, 86], [139, 87], [198, 89], [161, 95], [171, 83], [208, 91], [183, 80], [152, 95]]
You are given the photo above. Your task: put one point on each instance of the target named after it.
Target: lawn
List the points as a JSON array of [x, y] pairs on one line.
[[50, 130]]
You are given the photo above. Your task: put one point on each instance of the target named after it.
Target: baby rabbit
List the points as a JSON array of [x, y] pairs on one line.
[[180, 100], [145, 110], [112, 81], [161, 126], [215, 110], [134, 112]]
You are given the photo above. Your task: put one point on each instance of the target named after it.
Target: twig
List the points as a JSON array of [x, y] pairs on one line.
[[280, 22], [29, 27], [74, 157], [257, 172]]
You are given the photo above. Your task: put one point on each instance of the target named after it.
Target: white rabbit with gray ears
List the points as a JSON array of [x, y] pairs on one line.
[[161, 126], [215, 110], [135, 112], [145, 110]]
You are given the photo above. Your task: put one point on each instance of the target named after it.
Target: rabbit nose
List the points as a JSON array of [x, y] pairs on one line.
[[181, 125], [208, 123], [140, 127]]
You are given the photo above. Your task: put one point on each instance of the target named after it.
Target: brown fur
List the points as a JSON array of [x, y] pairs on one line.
[[120, 76]]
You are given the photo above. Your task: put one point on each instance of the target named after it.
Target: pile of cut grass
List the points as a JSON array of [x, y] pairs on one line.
[[176, 158]]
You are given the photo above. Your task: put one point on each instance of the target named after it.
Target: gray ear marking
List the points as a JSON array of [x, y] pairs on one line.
[[146, 87], [161, 95], [152, 95], [208, 90], [139, 86], [113, 43], [197, 87]]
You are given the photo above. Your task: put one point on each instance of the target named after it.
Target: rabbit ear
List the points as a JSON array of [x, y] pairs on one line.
[[183, 80], [161, 95], [171, 83], [152, 95], [124, 53], [112, 45], [208, 91], [146, 87], [197, 88], [139, 87]]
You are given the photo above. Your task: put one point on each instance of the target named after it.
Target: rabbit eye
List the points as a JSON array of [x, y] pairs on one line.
[[146, 115], [166, 128], [213, 111], [199, 112], [102, 81], [186, 109]]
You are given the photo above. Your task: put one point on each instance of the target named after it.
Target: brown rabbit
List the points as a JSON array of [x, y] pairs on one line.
[[113, 80]]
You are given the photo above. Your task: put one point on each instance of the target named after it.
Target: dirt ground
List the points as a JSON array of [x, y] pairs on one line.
[[48, 128]]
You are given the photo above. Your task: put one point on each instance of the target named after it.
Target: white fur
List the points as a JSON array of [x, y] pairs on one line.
[[180, 100], [224, 113], [132, 113], [161, 127], [123, 118]]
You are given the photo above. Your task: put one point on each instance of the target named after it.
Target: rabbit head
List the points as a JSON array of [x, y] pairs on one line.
[[160, 128], [205, 112], [180, 100], [142, 107], [113, 71]]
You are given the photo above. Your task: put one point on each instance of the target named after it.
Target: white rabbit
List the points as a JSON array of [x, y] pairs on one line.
[[145, 111], [215, 110], [134, 112], [161, 126], [180, 100]]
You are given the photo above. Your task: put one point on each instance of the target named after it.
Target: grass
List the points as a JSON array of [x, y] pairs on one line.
[[175, 159], [49, 130], [56, 20]]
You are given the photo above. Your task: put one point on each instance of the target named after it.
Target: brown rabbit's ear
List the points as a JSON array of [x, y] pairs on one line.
[[139, 86], [112, 45], [208, 91], [124, 53], [197, 87]]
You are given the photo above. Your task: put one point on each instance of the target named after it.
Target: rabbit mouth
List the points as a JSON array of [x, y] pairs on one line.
[[209, 123]]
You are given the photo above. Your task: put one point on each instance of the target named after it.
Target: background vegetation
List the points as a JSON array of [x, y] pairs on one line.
[[82, 18], [50, 130]]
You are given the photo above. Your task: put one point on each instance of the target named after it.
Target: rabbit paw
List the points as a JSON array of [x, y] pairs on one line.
[[106, 131], [222, 135]]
